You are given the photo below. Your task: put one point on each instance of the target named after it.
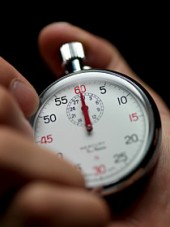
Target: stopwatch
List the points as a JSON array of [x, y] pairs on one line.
[[103, 122]]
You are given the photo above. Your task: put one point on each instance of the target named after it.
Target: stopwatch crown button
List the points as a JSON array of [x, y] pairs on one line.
[[72, 56], [70, 51]]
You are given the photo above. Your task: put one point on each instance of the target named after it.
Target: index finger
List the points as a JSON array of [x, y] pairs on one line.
[[19, 87]]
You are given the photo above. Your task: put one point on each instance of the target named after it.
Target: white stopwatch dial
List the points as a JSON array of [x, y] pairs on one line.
[[103, 122]]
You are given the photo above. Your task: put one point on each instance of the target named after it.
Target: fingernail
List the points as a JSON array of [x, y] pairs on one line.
[[21, 92], [19, 89], [25, 95]]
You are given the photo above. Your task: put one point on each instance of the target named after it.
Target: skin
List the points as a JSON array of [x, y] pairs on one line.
[[45, 189]]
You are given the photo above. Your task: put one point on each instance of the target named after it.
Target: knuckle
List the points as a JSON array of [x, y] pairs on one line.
[[6, 102]]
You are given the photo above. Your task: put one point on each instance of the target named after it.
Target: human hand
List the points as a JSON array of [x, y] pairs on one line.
[[36, 187], [152, 207]]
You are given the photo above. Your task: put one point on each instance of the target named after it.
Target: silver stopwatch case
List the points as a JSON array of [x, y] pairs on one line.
[[105, 123]]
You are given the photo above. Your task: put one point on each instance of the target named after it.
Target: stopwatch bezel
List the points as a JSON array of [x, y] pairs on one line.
[[155, 137]]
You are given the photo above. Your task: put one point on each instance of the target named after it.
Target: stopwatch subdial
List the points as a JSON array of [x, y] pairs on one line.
[[95, 109]]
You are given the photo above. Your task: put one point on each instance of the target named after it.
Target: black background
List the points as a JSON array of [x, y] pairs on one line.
[[140, 31]]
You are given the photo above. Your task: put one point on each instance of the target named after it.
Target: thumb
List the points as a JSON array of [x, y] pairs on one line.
[[99, 52]]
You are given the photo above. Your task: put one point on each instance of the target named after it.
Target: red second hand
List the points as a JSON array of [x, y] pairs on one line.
[[84, 108]]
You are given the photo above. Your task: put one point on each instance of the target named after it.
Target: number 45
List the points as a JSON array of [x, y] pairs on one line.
[[46, 139]]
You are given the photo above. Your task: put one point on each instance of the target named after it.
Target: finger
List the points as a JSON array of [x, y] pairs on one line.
[[40, 204], [11, 115], [21, 161], [99, 52], [19, 87]]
